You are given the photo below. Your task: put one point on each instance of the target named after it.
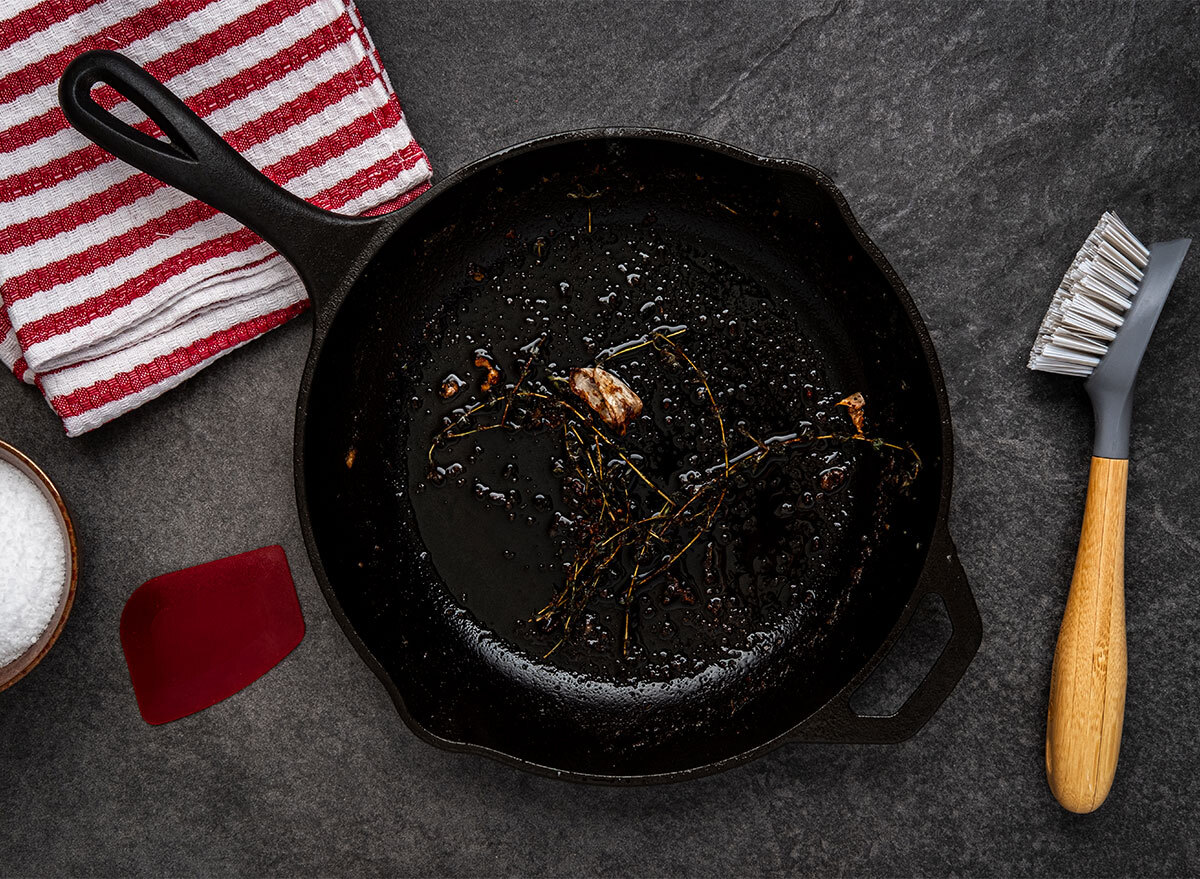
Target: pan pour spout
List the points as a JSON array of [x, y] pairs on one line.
[[607, 396]]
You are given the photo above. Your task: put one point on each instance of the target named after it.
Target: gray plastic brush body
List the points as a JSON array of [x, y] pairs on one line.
[[1110, 385]]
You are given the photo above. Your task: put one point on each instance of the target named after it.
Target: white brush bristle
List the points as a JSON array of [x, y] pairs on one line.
[[1089, 306]]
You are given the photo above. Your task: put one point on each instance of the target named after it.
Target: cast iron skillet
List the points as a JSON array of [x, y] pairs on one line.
[[385, 287]]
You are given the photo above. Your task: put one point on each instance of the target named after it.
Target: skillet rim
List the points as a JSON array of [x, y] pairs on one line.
[[327, 304]]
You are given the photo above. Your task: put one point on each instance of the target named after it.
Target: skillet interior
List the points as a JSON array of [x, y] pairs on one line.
[[779, 229]]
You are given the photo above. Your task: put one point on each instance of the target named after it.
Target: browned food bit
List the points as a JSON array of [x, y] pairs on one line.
[[832, 478], [855, 403], [607, 396], [493, 373], [451, 385]]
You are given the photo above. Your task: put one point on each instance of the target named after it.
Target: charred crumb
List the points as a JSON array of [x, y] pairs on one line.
[[855, 404], [450, 386], [491, 376]]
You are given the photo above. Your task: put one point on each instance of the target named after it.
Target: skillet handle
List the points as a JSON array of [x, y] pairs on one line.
[[322, 246], [943, 575]]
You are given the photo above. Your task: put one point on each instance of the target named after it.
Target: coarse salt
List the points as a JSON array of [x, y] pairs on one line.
[[33, 562]]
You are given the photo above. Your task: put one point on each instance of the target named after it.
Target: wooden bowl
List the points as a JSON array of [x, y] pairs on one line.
[[21, 666]]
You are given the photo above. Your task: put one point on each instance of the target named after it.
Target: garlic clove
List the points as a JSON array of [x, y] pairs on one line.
[[607, 396]]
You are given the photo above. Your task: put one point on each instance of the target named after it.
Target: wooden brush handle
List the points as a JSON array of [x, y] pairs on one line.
[[1087, 683]]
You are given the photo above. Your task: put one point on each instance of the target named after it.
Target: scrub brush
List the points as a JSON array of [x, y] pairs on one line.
[[1097, 328]]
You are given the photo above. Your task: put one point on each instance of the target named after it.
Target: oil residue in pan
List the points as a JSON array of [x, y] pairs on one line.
[[500, 509]]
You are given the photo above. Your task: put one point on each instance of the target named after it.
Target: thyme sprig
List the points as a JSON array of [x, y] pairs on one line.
[[614, 529]]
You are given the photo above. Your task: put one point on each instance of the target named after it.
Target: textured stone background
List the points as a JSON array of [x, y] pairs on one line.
[[978, 145]]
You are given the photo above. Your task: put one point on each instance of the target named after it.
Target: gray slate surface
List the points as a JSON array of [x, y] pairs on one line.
[[977, 145]]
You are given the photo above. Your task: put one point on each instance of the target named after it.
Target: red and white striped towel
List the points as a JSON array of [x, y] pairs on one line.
[[116, 287]]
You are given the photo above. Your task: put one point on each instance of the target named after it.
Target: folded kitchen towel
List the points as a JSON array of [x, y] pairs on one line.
[[116, 287]]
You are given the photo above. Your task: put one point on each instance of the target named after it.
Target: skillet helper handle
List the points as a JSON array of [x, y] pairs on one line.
[[943, 576], [322, 246], [1087, 683]]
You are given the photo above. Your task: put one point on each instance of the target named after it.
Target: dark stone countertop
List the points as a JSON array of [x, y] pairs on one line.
[[977, 145]]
